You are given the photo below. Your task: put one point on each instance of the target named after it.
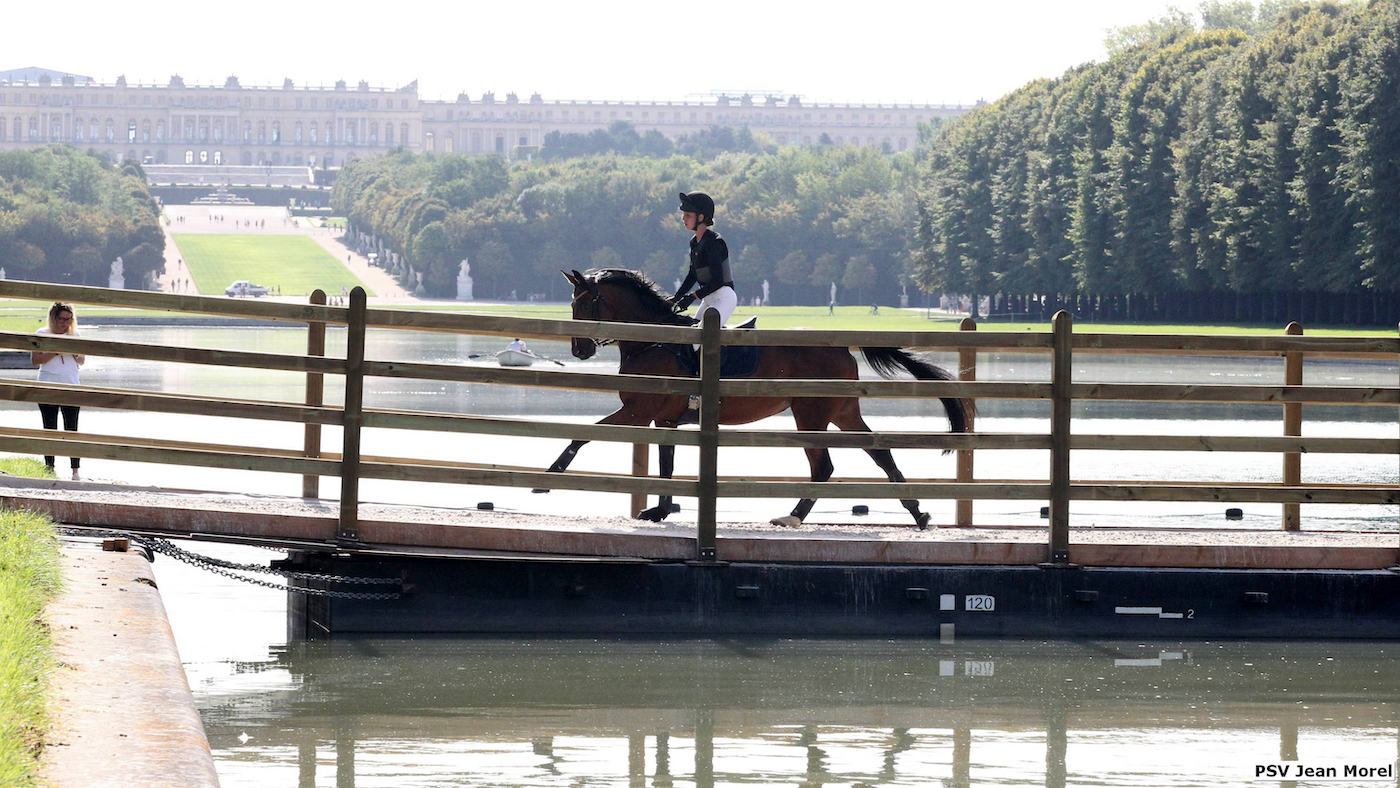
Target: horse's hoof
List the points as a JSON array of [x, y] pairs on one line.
[[538, 490], [922, 521], [655, 514], [786, 521]]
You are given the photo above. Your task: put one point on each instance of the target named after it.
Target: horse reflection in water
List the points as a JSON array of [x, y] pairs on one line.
[[622, 296]]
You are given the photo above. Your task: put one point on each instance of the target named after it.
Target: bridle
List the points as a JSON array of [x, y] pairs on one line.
[[596, 307]]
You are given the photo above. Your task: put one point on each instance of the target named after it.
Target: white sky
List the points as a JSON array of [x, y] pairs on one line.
[[898, 50]]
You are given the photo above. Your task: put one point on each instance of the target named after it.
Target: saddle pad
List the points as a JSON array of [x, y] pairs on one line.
[[738, 361]]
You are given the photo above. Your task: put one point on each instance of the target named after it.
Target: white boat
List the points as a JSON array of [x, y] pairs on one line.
[[515, 358]]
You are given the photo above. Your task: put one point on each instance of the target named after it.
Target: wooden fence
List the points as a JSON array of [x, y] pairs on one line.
[[350, 465]]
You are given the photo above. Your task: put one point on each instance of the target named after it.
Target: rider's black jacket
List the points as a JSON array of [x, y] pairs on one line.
[[709, 265]]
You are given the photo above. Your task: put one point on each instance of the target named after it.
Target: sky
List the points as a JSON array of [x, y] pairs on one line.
[[934, 51]]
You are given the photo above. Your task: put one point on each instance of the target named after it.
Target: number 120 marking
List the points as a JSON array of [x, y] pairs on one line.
[[981, 603]]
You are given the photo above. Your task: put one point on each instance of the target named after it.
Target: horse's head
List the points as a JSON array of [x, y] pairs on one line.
[[616, 295], [587, 304]]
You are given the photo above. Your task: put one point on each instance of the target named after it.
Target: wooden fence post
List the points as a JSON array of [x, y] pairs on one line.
[[1061, 371], [349, 529], [1292, 427], [709, 436], [315, 396], [641, 466], [967, 370]]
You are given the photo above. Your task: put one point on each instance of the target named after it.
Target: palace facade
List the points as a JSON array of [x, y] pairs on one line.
[[295, 125]]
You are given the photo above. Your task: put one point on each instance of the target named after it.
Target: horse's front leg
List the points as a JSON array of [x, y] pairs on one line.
[[666, 460], [623, 415]]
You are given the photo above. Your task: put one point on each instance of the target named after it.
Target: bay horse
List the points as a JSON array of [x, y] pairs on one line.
[[623, 296]]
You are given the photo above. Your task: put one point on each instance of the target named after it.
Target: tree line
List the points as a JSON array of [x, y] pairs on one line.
[[1247, 171], [66, 215], [800, 217]]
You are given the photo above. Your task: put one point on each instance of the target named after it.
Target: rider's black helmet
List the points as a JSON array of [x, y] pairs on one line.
[[699, 202]]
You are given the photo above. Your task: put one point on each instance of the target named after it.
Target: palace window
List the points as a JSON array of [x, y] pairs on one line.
[[247, 131], [403, 133], [276, 131], [388, 134], [204, 157], [146, 131], [189, 157], [111, 129], [296, 132], [218, 157], [313, 131], [131, 131]]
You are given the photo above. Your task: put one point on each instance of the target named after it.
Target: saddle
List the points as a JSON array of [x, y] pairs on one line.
[[739, 361]]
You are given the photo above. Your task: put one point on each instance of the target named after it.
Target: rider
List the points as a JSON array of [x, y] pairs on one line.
[[517, 345], [709, 261]]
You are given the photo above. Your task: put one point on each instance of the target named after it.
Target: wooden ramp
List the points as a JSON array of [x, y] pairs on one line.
[[308, 524]]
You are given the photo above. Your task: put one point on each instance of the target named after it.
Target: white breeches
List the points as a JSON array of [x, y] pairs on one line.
[[724, 301]]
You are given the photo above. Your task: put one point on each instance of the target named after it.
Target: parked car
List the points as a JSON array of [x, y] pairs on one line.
[[245, 288]]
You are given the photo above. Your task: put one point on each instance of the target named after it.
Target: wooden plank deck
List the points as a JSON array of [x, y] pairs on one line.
[[311, 524]]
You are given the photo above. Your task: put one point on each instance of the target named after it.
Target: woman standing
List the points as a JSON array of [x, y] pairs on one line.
[[59, 368]]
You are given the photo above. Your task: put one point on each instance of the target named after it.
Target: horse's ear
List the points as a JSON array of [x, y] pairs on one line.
[[570, 277], [578, 277]]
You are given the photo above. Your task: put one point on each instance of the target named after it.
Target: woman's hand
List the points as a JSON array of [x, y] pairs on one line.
[[80, 359], [39, 357]]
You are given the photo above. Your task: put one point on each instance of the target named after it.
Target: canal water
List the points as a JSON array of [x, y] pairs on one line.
[[712, 712]]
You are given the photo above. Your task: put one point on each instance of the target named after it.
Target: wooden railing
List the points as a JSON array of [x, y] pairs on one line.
[[350, 465]]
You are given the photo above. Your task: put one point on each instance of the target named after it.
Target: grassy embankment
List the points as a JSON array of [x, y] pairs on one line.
[[295, 263], [29, 577]]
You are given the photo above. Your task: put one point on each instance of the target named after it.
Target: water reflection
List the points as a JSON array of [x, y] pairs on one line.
[[810, 713]]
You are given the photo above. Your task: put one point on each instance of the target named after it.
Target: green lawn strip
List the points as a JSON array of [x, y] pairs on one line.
[[30, 575], [295, 263], [860, 319]]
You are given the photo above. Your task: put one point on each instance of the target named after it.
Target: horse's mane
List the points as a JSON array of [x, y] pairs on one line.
[[652, 299]]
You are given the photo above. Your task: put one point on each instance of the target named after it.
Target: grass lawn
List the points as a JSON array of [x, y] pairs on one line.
[[858, 318], [333, 221], [30, 575], [294, 263]]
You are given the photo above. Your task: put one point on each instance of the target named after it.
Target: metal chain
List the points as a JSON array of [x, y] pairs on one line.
[[230, 569]]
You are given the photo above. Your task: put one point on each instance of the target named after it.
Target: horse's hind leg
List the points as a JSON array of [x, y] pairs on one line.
[[810, 414], [850, 420], [820, 460]]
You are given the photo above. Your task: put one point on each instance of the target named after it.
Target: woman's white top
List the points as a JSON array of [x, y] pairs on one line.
[[62, 368]]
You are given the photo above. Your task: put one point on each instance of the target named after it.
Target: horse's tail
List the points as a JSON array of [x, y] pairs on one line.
[[887, 361]]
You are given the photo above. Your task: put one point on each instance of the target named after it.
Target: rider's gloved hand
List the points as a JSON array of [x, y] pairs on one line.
[[682, 302]]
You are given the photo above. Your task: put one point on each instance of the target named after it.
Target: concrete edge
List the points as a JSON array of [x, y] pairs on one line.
[[122, 709]]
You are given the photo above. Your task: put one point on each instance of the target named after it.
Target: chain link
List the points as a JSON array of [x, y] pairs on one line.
[[230, 569]]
